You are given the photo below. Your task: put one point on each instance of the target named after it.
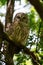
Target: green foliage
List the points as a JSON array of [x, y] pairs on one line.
[[32, 20], [21, 58], [2, 2]]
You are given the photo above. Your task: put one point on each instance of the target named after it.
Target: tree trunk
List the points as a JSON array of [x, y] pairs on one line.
[[9, 13], [9, 61]]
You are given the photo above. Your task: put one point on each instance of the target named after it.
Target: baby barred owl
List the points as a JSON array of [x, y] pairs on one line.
[[19, 29]]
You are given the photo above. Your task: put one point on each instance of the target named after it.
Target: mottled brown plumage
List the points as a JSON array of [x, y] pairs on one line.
[[19, 29]]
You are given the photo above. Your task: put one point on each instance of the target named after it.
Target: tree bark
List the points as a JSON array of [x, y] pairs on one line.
[[8, 20], [9, 59], [9, 12]]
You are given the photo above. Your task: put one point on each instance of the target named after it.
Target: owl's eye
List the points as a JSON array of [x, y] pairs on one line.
[[18, 17], [24, 17]]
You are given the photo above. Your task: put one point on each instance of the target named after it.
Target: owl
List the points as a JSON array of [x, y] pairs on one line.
[[19, 29]]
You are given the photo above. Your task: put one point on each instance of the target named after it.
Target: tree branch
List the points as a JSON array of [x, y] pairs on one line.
[[9, 13]]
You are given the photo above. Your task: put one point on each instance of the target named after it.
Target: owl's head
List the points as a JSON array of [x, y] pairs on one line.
[[22, 17]]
